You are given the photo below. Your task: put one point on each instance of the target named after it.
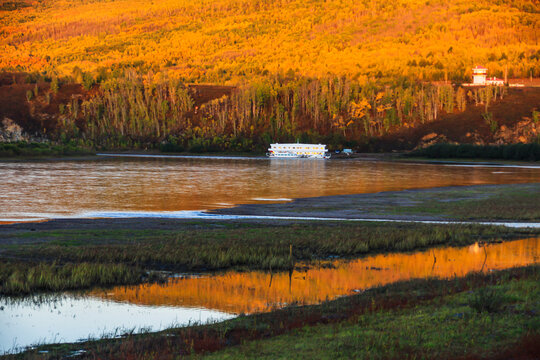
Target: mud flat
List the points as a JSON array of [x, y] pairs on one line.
[[479, 202]]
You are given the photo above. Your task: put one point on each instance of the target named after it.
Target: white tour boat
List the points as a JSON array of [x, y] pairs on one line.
[[310, 151]]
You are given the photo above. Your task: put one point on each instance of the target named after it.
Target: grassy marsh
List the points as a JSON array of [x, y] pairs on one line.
[[120, 256], [21, 278], [446, 327], [415, 319]]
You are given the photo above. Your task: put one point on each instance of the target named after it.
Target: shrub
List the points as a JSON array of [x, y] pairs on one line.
[[493, 125], [171, 147], [88, 81], [486, 300]]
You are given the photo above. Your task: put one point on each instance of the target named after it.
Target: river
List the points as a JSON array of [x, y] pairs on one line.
[[33, 190]]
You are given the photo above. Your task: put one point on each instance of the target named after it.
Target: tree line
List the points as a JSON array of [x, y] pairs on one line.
[[145, 110]]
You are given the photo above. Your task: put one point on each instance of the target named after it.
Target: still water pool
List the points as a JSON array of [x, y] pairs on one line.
[[71, 317]]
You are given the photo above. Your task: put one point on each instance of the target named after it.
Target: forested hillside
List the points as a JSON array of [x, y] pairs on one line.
[[344, 70], [234, 40]]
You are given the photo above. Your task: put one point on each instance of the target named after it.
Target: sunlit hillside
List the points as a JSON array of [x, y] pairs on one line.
[[226, 41]]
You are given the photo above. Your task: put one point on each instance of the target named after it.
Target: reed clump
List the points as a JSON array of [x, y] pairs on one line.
[[17, 278], [487, 299]]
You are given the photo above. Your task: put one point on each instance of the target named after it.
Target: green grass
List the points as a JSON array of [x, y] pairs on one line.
[[36, 150], [518, 152], [445, 327], [244, 246], [417, 319], [17, 278]]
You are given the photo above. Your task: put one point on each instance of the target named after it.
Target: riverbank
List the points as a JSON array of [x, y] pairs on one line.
[[11, 152], [511, 152], [34, 150], [21, 151], [514, 202], [477, 316], [116, 251], [80, 254]]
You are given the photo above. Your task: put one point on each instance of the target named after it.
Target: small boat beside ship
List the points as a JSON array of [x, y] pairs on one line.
[[306, 151]]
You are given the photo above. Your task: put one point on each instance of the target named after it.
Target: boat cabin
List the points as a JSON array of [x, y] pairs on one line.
[[297, 150]]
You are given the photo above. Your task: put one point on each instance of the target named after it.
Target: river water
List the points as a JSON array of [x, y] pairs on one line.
[[55, 189], [70, 317]]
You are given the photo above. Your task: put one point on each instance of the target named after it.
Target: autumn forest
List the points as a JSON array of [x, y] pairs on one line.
[[338, 71]]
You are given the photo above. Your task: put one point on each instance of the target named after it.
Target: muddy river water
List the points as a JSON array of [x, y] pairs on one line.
[[184, 300], [53, 189]]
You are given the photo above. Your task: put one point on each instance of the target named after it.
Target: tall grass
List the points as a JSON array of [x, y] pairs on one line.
[[18, 278], [251, 247]]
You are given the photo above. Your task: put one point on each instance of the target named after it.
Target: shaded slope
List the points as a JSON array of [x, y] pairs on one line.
[[511, 113]]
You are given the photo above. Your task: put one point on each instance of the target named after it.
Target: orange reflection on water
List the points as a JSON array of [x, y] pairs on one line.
[[55, 189], [256, 291]]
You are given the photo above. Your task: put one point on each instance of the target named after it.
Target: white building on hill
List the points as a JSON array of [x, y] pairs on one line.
[[480, 78], [479, 75]]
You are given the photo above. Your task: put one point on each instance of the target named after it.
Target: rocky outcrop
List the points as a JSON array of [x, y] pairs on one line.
[[525, 131], [11, 132], [431, 139], [474, 138]]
